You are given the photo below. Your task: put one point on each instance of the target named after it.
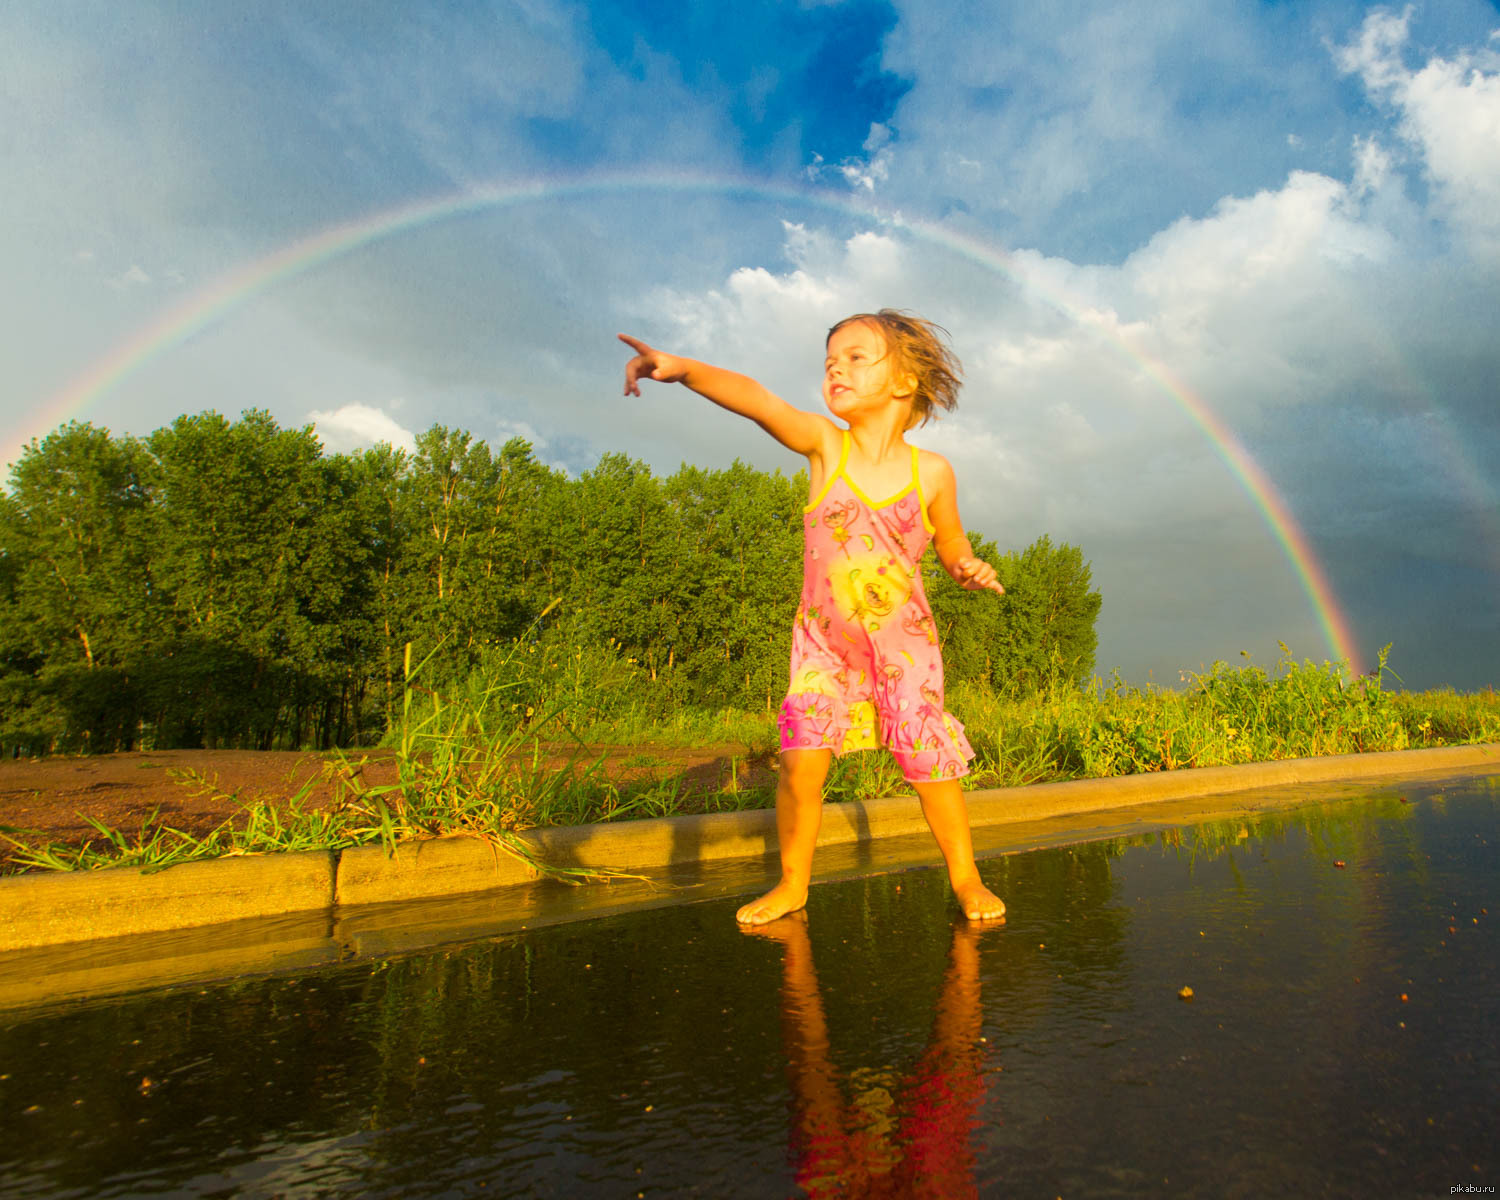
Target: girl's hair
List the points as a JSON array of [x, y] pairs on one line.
[[917, 347]]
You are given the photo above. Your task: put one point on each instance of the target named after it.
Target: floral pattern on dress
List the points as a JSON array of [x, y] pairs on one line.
[[866, 669]]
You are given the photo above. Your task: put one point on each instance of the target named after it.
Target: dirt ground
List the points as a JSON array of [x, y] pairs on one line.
[[197, 790]]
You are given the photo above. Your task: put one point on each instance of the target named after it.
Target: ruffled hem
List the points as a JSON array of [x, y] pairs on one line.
[[816, 721]]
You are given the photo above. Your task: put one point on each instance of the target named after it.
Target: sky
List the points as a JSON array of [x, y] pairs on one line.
[[1224, 277]]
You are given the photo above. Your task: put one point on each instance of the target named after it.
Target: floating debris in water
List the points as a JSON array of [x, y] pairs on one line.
[[1185, 994]]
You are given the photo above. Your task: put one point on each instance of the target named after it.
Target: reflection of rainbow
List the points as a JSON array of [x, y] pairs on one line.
[[236, 287]]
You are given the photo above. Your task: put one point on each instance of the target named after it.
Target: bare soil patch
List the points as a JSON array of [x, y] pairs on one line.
[[196, 791]]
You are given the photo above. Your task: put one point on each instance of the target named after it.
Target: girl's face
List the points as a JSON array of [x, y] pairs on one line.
[[857, 373]]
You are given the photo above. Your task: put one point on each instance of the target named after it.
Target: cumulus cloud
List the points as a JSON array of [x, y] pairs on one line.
[[1298, 316], [1449, 113], [1126, 229], [1080, 128], [862, 174], [357, 426]]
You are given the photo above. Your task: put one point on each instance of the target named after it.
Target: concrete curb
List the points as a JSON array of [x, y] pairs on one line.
[[44, 910], [40, 910]]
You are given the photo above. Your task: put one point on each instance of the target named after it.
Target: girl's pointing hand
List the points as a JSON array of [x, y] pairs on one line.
[[650, 363]]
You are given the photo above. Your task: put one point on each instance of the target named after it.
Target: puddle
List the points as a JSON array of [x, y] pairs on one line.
[[1339, 1038]]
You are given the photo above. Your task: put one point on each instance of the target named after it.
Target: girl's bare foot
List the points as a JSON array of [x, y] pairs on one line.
[[978, 902], [780, 900]]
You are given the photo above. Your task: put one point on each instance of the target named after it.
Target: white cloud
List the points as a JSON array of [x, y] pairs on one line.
[[1251, 239], [1169, 229], [1449, 111], [1375, 50], [1296, 315], [1372, 165], [864, 174], [133, 276], [356, 426], [1054, 123]]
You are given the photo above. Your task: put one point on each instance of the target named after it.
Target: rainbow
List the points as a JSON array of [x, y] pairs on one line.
[[1277, 514], [1459, 465], [235, 288]]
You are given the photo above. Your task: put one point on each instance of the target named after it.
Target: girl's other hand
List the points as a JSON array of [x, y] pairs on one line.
[[977, 575], [650, 363]]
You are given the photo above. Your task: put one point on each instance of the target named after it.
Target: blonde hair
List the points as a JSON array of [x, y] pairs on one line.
[[919, 348]]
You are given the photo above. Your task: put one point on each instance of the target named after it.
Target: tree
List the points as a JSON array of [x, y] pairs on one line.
[[257, 542], [78, 605], [227, 583], [617, 542], [739, 569], [1043, 627], [377, 474]]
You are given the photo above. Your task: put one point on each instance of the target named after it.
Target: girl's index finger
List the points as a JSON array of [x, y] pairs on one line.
[[635, 344]]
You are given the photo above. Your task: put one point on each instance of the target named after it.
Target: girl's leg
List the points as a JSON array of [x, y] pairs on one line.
[[948, 817], [799, 813]]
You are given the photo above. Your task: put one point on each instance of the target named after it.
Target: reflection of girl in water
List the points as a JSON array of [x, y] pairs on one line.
[[889, 1138]]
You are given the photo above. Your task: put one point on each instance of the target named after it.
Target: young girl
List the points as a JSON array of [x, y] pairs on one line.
[[866, 669]]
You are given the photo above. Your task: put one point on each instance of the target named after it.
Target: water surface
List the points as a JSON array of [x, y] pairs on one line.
[[1340, 1039]]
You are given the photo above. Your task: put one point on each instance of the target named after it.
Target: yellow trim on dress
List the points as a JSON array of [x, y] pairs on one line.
[[837, 471], [916, 474], [843, 469]]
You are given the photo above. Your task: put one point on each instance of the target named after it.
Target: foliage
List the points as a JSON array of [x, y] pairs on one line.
[[458, 773], [228, 584], [477, 757], [1040, 633], [1224, 716]]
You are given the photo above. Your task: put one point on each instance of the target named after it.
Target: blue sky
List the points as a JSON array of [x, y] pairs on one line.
[[1292, 210]]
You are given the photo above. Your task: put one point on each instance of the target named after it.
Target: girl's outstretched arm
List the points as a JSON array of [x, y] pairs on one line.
[[953, 548], [796, 429]]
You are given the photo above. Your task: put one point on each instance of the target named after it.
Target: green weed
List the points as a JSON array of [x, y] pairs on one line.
[[479, 756]]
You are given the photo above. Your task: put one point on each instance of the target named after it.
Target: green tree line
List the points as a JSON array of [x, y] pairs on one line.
[[228, 584]]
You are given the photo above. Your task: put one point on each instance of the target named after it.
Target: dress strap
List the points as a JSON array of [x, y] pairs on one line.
[[916, 482], [833, 475]]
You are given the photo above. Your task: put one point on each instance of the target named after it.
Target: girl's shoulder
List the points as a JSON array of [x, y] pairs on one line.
[[830, 440], [930, 457], [934, 471]]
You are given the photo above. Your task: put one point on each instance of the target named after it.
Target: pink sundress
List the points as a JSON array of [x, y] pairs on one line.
[[866, 670]]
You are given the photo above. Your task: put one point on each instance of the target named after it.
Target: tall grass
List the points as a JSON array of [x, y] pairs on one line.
[[1222, 716], [460, 771], [557, 687], [519, 743]]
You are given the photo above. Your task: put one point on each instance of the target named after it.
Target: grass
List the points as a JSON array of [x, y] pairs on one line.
[[478, 758], [288, 825]]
